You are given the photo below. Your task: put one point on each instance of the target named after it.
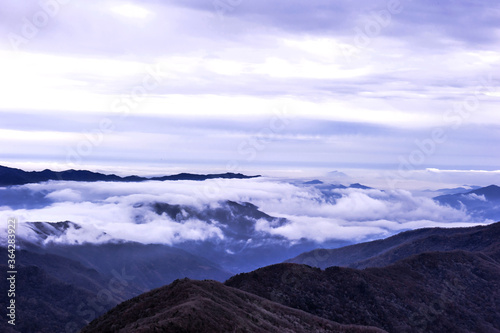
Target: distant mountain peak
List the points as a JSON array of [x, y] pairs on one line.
[[313, 182], [337, 174], [359, 186]]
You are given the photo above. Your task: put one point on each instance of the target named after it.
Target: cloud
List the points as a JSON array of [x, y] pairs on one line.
[[65, 195], [124, 211], [474, 196]]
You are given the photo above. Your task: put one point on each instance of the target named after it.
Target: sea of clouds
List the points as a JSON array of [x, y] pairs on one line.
[[122, 211]]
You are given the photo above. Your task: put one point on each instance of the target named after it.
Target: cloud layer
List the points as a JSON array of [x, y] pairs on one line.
[[124, 211]]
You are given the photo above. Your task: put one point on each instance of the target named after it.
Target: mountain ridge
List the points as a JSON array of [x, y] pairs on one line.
[[13, 176], [455, 291], [481, 203], [386, 251], [207, 307]]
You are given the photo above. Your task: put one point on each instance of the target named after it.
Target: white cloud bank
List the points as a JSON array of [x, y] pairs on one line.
[[121, 211]]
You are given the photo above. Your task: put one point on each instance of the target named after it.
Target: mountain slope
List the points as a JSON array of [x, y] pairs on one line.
[[479, 239], [431, 292], [243, 247], [61, 287], [73, 272], [448, 291], [491, 192], [386, 251], [12, 176], [55, 299], [480, 203], [43, 303], [209, 306], [147, 266], [239, 245]]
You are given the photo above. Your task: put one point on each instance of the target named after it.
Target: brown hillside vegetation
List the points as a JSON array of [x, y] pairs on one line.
[[209, 306], [432, 292]]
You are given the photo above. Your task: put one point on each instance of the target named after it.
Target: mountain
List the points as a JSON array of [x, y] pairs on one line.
[[455, 291], [337, 174], [11, 176], [491, 192], [46, 304], [209, 306], [456, 190], [313, 182], [481, 203], [359, 186], [46, 230], [321, 185], [148, 265], [61, 288], [73, 272], [241, 247], [95, 277], [383, 252], [57, 294], [438, 291]]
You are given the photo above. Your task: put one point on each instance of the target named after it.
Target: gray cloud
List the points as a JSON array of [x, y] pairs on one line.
[[191, 144], [362, 96]]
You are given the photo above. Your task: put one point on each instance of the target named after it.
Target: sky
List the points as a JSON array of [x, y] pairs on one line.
[[397, 89]]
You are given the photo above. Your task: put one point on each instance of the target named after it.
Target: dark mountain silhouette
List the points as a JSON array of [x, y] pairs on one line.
[[209, 306], [383, 252], [11, 176], [481, 203], [454, 291]]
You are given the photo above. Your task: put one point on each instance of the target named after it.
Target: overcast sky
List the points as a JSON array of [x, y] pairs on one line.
[[248, 85]]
